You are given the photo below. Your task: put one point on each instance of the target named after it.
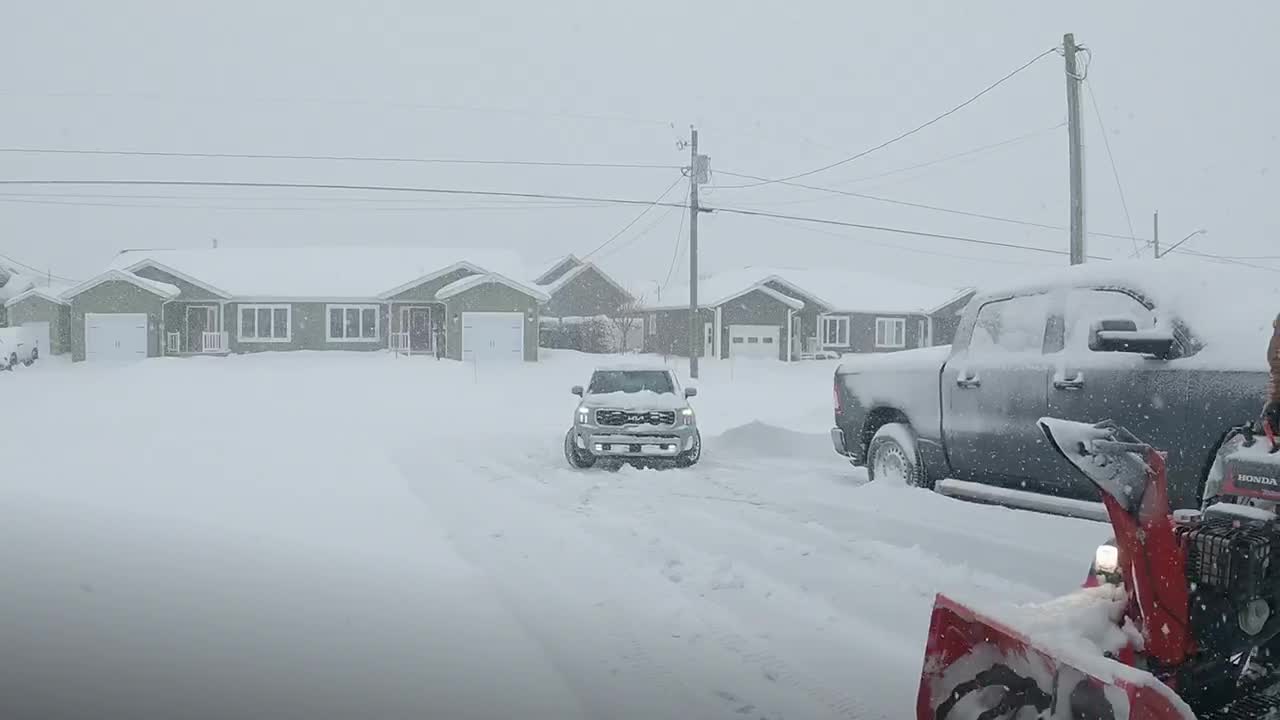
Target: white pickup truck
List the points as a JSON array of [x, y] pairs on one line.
[[17, 345]]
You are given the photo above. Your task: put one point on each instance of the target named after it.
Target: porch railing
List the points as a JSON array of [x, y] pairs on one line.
[[213, 342], [400, 342]]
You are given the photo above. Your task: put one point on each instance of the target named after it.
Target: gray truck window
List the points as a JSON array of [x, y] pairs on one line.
[[1014, 325], [1084, 307]]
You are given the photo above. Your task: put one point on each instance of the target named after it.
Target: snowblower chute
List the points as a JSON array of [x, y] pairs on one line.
[[1182, 627]]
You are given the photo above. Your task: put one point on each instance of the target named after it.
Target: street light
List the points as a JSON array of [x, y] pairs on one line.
[[1175, 245]]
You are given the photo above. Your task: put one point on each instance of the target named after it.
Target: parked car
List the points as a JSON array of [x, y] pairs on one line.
[[1174, 352], [17, 345], [636, 414]]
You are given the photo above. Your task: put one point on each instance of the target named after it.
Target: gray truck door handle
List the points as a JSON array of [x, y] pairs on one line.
[[1074, 382], [966, 380]]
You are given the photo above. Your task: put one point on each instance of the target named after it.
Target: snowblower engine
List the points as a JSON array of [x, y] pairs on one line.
[[1229, 547]]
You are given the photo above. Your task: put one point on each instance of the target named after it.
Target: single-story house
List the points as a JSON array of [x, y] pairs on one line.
[[12, 283], [455, 303], [788, 313], [579, 293]]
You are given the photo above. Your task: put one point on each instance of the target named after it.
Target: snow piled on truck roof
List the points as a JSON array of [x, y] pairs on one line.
[[1229, 308]]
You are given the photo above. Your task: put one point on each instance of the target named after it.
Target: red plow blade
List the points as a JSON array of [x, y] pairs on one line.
[[976, 668]]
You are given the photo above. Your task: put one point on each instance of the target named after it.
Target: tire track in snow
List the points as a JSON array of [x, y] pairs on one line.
[[658, 680], [756, 653]]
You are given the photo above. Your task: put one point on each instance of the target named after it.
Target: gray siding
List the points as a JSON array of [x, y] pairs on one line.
[[947, 318], [309, 322], [426, 292], [37, 309], [115, 296], [492, 297], [754, 308], [586, 295], [862, 332], [672, 331], [189, 291]]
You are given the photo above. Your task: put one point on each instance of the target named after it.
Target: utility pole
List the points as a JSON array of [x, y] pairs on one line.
[[1155, 233], [1074, 130], [698, 167]]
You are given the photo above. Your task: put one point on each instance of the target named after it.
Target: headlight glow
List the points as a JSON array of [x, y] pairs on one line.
[[687, 412], [1107, 559], [583, 415]]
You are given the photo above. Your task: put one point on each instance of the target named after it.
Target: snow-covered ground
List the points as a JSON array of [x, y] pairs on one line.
[[355, 535]]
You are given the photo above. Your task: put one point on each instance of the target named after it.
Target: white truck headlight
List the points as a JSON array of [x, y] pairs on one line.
[[1106, 559], [584, 415], [686, 416]]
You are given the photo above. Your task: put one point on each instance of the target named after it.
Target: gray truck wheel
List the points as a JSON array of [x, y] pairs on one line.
[[578, 459], [690, 457], [892, 456]]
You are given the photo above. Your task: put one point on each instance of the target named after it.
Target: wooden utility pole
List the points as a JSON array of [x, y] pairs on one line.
[[695, 332], [1074, 131], [1155, 234]]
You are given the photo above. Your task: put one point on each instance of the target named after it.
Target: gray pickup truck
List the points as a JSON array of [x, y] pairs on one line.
[[636, 414], [1173, 352]]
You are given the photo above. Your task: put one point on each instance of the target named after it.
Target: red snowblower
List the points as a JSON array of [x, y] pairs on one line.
[[1179, 619]]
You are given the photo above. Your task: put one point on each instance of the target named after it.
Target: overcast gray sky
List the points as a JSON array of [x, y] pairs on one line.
[[1185, 89]]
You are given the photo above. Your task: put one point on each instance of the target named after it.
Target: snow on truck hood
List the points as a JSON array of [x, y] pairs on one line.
[[643, 400]]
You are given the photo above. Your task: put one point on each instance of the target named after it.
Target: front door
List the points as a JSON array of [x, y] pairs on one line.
[[1143, 394], [200, 320], [994, 391], [708, 340], [419, 329]]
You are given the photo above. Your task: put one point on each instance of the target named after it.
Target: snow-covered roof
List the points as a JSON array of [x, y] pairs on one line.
[[836, 290], [15, 285], [547, 274], [327, 272], [164, 290], [551, 288], [460, 286], [52, 293]]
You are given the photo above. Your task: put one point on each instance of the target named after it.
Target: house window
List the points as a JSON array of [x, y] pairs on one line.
[[891, 332], [265, 323], [835, 331], [652, 323], [352, 323]]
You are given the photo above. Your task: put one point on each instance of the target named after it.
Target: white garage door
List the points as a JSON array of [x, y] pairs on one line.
[[754, 341], [115, 337], [41, 335], [492, 337]]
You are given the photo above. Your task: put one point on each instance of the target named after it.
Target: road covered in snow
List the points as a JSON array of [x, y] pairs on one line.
[[356, 535]]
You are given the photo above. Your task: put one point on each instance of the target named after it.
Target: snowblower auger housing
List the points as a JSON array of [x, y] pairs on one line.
[[1194, 607]]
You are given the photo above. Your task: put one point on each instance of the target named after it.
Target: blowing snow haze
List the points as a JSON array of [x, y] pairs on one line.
[[348, 371], [774, 92]]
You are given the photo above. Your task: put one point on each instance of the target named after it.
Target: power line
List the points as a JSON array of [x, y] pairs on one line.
[[340, 186], [973, 151], [313, 208], [924, 206], [632, 240], [442, 107], [901, 231], [648, 204], [675, 253], [1114, 171], [636, 219], [344, 158], [857, 238], [32, 268], [908, 133]]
